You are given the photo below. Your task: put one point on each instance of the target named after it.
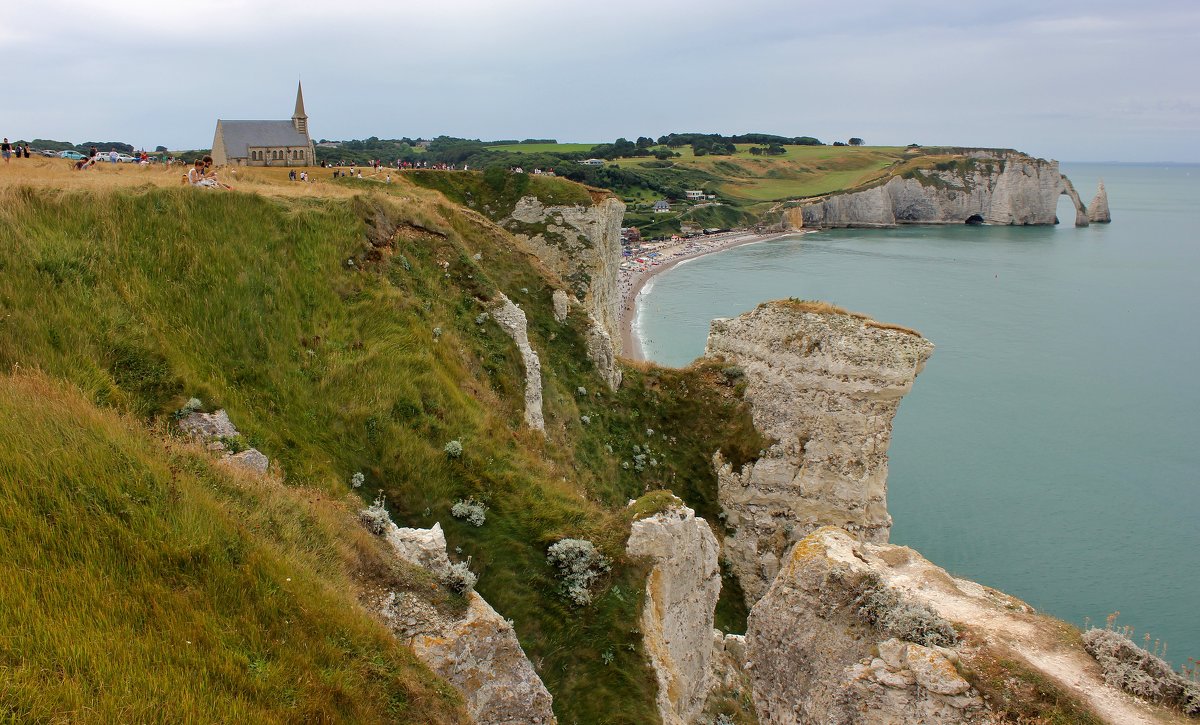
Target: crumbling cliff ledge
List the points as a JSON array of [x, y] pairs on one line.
[[852, 632], [825, 384], [475, 649], [985, 186]]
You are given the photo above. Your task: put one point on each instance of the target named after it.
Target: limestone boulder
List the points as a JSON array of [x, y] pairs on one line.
[[208, 426], [251, 459]]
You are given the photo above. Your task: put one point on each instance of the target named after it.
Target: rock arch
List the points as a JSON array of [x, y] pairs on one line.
[[974, 219], [1068, 189]]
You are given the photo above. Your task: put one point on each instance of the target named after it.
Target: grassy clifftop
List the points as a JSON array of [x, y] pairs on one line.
[[342, 334], [140, 583]]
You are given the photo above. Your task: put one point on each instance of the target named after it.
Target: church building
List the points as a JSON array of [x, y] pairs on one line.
[[265, 143]]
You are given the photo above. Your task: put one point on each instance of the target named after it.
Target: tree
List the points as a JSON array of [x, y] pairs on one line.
[[856, 141]]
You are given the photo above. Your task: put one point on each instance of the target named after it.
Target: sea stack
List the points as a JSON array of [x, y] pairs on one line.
[[1098, 210], [825, 384]]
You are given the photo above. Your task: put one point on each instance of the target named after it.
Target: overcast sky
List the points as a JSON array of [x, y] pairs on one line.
[[1074, 81]]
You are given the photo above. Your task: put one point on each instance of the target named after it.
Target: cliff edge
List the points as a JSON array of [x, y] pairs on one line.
[[852, 632]]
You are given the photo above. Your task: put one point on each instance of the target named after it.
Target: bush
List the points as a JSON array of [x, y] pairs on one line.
[[1139, 672], [473, 511], [375, 517], [453, 449], [188, 408], [579, 564], [460, 578], [883, 609]]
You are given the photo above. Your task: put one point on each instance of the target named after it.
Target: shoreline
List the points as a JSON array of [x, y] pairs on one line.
[[632, 281]]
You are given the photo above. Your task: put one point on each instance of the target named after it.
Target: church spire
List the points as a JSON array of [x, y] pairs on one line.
[[300, 118]]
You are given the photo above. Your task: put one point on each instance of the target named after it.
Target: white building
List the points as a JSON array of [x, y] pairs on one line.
[[694, 194]]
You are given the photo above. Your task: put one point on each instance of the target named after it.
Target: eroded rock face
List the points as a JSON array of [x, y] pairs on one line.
[[814, 656], [476, 650], [1098, 212], [603, 353], [681, 599], [512, 320], [992, 187], [816, 659], [561, 305], [825, 385], [582, 244]]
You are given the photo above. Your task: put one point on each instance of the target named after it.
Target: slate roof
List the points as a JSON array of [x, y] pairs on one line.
[[239, 135]]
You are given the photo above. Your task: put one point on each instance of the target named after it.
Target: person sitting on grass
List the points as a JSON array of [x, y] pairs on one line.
[[196, 176]]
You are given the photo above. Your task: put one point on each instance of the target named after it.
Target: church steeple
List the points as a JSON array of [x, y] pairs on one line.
[[300, 118]]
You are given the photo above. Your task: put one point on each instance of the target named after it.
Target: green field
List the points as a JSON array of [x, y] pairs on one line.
[[803, 171]]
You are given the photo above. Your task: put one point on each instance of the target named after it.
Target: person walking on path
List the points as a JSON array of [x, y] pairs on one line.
[[6, 150]]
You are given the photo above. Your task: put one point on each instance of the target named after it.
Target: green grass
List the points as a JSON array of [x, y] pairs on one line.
[[311, 321], [140, 582]]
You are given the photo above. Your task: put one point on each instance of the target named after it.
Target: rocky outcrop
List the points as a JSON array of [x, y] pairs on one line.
[[582, 244], [817, 659], [821, 650], [561, 305], [512, 320], [825, 384], [475, 650], [603, 353], [219, 434], [993, 188], [681, 599], [1098, 211]]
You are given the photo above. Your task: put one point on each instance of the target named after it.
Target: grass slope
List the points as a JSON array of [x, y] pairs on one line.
[[142, 583], [343, 335]]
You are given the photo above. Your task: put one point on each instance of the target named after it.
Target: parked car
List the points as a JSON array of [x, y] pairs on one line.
[[74, 155], [48, 153], [125, 159]]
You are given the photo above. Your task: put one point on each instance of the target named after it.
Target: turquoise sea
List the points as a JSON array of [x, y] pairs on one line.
[[1051, 447]]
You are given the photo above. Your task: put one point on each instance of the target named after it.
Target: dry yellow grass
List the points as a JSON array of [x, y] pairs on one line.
[[61, 174], [826, 308]]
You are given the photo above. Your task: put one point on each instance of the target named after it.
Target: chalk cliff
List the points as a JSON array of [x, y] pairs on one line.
[[681, 599], [852, 632], [1098, 212], [999, 187], [825, 384], [475, 649], [582, 244]]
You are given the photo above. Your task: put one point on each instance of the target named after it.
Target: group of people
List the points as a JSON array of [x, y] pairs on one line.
[[293, 176], [203, 175], [7, 150]]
